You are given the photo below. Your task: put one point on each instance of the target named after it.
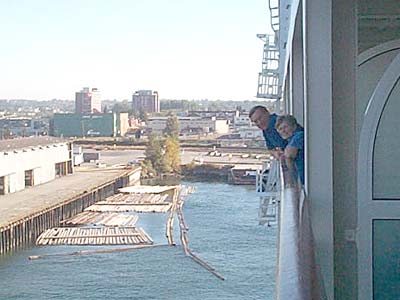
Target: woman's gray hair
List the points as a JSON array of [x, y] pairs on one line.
[[288, 119]]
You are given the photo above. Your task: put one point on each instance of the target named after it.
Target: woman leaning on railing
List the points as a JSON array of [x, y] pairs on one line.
[[293, 133], [297, 273]]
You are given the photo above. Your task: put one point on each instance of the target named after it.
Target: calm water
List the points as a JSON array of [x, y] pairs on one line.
[[223, 231]]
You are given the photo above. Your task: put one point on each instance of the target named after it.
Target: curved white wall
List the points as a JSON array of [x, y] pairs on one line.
[[378, 167], [371, 66], [386, 155]]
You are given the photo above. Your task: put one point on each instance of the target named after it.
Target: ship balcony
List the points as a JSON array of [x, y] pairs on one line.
[[296, 277]]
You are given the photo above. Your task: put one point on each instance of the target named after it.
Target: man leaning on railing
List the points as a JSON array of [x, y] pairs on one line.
[[264, 120], [284, 137]]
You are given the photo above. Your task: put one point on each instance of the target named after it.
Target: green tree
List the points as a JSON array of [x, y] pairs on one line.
[[147, 168], [120, 107], [172, 159], [143, 115], [172, 127], [154, 153]]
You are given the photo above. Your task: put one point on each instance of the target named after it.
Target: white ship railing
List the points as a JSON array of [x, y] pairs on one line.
[[297, 275], [268, 188]]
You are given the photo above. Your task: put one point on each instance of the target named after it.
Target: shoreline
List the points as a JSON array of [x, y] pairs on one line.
[[199, 173]]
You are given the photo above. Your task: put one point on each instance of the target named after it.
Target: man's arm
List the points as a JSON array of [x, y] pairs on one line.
[[277, 153]]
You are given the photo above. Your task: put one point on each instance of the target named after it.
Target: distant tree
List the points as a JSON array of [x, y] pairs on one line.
[[143, 116], [147, 168], [121, 107], [172, 157], [154, 153], [162, 157], [193, 105], [172, 127], [116, 108], [24, 131], [132, 113], [7, 133]]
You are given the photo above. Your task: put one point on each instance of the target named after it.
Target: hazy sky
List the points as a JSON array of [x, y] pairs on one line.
[[184, 49]]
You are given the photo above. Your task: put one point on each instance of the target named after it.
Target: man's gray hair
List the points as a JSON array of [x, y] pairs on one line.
[[288, 119]]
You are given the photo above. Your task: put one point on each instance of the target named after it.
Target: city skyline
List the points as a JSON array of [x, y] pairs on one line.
[[182, 49]]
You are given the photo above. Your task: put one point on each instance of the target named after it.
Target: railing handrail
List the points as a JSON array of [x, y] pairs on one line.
[[268, 187], [297, 276]]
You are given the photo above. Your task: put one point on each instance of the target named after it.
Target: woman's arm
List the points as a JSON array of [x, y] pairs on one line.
[[291, 152]]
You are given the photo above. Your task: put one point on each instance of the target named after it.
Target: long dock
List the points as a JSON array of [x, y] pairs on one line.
[[26, 214], [105, 219], [111, 226], [93, 236], [139, 203]]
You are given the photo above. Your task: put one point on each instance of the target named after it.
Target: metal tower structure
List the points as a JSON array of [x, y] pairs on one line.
[[269, 85]]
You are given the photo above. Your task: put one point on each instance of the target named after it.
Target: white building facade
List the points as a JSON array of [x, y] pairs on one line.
[[31, 161], [250, 132], [229, 115], [190, 125], [241, 120]]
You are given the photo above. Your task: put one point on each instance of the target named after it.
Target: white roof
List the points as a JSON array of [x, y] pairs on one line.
[[29, 142]]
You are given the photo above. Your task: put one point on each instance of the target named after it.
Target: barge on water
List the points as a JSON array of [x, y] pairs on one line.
[[243, 174]]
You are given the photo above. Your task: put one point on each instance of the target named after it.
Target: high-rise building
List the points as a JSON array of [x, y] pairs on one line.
[[87, 102], [145, 101]]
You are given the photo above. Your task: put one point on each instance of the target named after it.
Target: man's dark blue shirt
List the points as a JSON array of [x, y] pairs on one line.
[[272, 138]]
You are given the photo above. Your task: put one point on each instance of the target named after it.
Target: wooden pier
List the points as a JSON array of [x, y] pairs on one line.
[[23, 232], [137, 198], [105, 219], [139, 208], [140, 203], [106, 223], [94, 236]]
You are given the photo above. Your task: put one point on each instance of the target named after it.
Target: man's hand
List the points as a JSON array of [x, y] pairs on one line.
[[277, 153]]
